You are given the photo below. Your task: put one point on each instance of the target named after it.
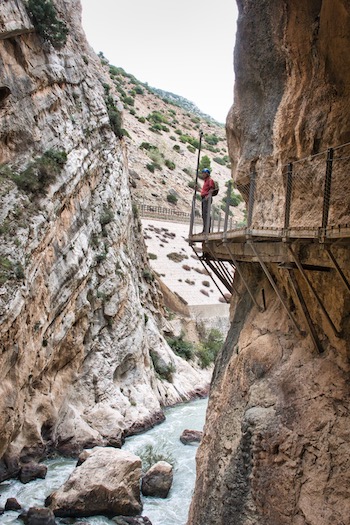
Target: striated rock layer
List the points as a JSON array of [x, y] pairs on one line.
[[281, 456], [80, 313]]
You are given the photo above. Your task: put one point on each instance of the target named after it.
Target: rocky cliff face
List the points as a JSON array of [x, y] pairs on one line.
[[282, 454], [81, 347]]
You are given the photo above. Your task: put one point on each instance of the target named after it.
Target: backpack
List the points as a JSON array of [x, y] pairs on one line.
[[216, 188]]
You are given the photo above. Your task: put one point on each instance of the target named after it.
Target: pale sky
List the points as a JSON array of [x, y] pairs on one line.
[[185, 47]]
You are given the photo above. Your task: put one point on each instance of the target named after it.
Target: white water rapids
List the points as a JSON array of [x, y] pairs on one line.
[[170, 511]]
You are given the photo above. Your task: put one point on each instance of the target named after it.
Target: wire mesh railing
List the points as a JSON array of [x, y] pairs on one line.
[[160, 212], [310, 194]]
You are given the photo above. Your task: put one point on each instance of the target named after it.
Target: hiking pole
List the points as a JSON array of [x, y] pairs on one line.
[[198, 159], [196, 183]]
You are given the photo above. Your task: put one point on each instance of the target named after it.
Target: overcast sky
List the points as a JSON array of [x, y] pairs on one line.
[[185, 47]]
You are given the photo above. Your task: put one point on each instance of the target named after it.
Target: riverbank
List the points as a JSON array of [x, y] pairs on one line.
[[164, 438]]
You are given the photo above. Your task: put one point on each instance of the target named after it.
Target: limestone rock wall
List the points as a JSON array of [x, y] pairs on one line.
[[281, 455], [80, 316]]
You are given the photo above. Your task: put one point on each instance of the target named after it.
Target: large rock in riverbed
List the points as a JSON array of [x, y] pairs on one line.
[[38, 516], [158, 480], [107, 483], [191, 436]]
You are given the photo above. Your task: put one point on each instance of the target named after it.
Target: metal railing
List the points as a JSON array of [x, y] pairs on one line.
[[160, 212], [310, 194]]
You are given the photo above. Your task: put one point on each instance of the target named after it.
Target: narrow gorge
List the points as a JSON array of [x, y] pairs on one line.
[[82, 318]]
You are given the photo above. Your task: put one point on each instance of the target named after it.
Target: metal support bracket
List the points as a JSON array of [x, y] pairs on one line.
[[225, 271], [337, 267], [206, 269], [260, 308], [313, 291], [305, 311], [274, 286]]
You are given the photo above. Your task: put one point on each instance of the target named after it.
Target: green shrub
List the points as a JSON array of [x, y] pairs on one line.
[[19, 271], [148, 275], [171, 198], [6, 269], [157, 118], [156, 128], [211, 139], [106, 216], [156, 157], [219, 160], [135, 210], [129, 101], [115, 117], [209, 348], [44, 16], [103, 59], [151, 454], [152, 256], [139, 90], [181, 347], [170, 164], [235, 198], [150, 167], [191, 149], [142, 120], [114, 71], [190, 140], [41, 172], [176, 147], [204, 163], [115, 120], [164, 370], [147, 146]]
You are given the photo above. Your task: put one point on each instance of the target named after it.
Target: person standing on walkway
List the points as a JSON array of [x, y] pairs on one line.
[[206, 191]]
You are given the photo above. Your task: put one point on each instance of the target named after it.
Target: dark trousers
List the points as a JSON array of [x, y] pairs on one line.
[[205, 209]]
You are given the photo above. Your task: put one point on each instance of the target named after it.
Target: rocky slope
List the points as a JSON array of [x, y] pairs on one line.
[[282, 454], [83, 357], [162, 135]]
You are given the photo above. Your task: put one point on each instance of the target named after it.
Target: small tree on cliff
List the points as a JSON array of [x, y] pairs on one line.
[[204, 163], [44, 17]]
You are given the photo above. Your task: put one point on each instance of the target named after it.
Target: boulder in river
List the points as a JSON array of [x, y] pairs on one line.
[[107, 483], [157, 480], [38, 516], [9, 468], [191, 436], [12, 504], [132, 520], [31, 471]]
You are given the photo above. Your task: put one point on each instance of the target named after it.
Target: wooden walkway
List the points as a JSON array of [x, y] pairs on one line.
[[308, 204]]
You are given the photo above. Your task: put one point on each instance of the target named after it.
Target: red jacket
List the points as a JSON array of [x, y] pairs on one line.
[[207, 186]]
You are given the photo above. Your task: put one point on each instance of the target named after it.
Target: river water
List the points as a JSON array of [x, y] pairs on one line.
[[163, 438]]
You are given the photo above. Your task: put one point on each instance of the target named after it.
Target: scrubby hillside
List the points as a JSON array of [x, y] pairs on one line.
[[162, 134]]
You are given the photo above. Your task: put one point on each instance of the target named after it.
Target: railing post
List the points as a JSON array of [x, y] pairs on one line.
[[227, 207], [193, 211], [219, 221], [288, 195], [251, 198], [327, 188]]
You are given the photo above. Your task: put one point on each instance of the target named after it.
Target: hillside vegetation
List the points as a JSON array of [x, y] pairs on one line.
[[162, 133]]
